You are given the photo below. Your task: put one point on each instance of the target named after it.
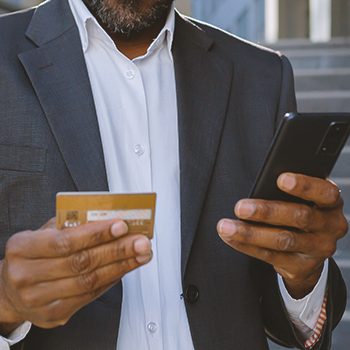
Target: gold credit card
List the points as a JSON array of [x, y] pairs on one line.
[[136, 209]]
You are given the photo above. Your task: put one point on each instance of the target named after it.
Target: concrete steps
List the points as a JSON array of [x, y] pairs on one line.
[[322, 81], [324, 102], [305, 44], [330, 79], [338, 59], [322, 74]]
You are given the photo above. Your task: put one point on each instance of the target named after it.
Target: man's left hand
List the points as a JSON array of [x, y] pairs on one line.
[[298, 238]]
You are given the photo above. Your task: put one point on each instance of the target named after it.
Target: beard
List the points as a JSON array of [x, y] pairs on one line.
[[129, 16]]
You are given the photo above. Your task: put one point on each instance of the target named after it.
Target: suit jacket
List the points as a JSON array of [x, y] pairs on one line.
[[231, 95]]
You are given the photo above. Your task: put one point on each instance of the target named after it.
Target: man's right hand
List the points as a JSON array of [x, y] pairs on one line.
[[49, 274]]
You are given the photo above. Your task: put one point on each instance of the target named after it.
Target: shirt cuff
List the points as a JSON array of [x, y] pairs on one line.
[[15, 336], [304, 313]]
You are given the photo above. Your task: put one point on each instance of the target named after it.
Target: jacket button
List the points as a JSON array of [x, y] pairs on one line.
[[191, 293]]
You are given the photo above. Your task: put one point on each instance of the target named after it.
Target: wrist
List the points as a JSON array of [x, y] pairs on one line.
[[299, 288]]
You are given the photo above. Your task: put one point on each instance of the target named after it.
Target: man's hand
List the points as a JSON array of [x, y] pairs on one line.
[[48, 274], [300, 237]]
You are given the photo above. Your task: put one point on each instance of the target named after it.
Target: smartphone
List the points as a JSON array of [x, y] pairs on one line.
[[307, 144]]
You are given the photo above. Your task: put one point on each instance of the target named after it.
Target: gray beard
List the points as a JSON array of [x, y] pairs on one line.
[[128, 16]]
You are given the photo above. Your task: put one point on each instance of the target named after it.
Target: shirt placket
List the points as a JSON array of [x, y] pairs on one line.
[[123, 114], [137, 143], [149, 276]]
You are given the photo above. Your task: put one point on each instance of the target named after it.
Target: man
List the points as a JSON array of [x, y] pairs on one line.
[[123, 96]]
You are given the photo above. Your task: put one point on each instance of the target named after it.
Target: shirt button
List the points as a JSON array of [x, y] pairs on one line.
[[152, 327], [130, 74], [139, 150]]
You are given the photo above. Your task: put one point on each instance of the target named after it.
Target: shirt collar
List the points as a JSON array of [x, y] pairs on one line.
[[84, 18]]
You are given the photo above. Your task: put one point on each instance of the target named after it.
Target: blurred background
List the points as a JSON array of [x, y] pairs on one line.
[[315, 36]]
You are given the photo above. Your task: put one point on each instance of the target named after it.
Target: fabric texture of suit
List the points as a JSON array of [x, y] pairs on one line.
[[231, 96]]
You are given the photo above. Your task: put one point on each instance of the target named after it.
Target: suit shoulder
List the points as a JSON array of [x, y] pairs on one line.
[[235, 48], [16, 18], [14, 25]]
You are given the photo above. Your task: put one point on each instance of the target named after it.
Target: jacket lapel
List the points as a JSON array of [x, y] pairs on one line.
[[58, 74], [203, 86]]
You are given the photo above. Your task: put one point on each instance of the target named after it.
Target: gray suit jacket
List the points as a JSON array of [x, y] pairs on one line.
[[231, 96]]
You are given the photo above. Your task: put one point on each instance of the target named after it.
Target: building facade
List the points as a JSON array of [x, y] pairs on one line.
[[245, 18], [13, 5], [184, 6], [271, 20]]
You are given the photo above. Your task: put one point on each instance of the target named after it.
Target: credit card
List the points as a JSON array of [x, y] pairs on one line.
[[78, 208]]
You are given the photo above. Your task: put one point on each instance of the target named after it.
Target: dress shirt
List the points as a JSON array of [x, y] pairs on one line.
[[304, 313], [136, 107], [137, 114]]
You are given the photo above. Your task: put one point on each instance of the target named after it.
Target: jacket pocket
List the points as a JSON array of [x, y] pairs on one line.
[[28, 159]]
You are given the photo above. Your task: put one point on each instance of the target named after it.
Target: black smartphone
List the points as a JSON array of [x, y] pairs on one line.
[[307, 144]]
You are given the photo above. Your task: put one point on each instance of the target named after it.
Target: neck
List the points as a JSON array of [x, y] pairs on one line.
[[135, 44]]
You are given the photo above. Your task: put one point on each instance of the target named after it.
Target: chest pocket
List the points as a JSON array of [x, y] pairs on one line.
[[28, 159]]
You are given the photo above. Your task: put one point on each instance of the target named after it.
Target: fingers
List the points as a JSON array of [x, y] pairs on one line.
[[47, 292], [58, 312], [84, 261], [50, 224], [325, 216], [322, 192], [294, 238], [38, 284], [51, 242], [271, 238], [43, 268], [295, 265], [280, 214], [298, 255]]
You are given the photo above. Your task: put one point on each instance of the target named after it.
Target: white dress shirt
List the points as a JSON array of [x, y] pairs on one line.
[[137, 114]]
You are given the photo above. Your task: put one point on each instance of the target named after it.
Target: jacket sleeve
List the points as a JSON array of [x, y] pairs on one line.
[[287, 102], [278, 326]]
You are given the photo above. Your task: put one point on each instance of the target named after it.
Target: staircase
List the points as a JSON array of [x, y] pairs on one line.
[[322, 74], [322, 81]]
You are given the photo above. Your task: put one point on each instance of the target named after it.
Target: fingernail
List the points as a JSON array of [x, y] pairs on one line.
[[143, 258], [227, 228], [118, 229], [288, 182], [245, 209], [142, 246]]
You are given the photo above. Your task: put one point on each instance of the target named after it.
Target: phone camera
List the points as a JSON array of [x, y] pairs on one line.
[[333, 139]]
